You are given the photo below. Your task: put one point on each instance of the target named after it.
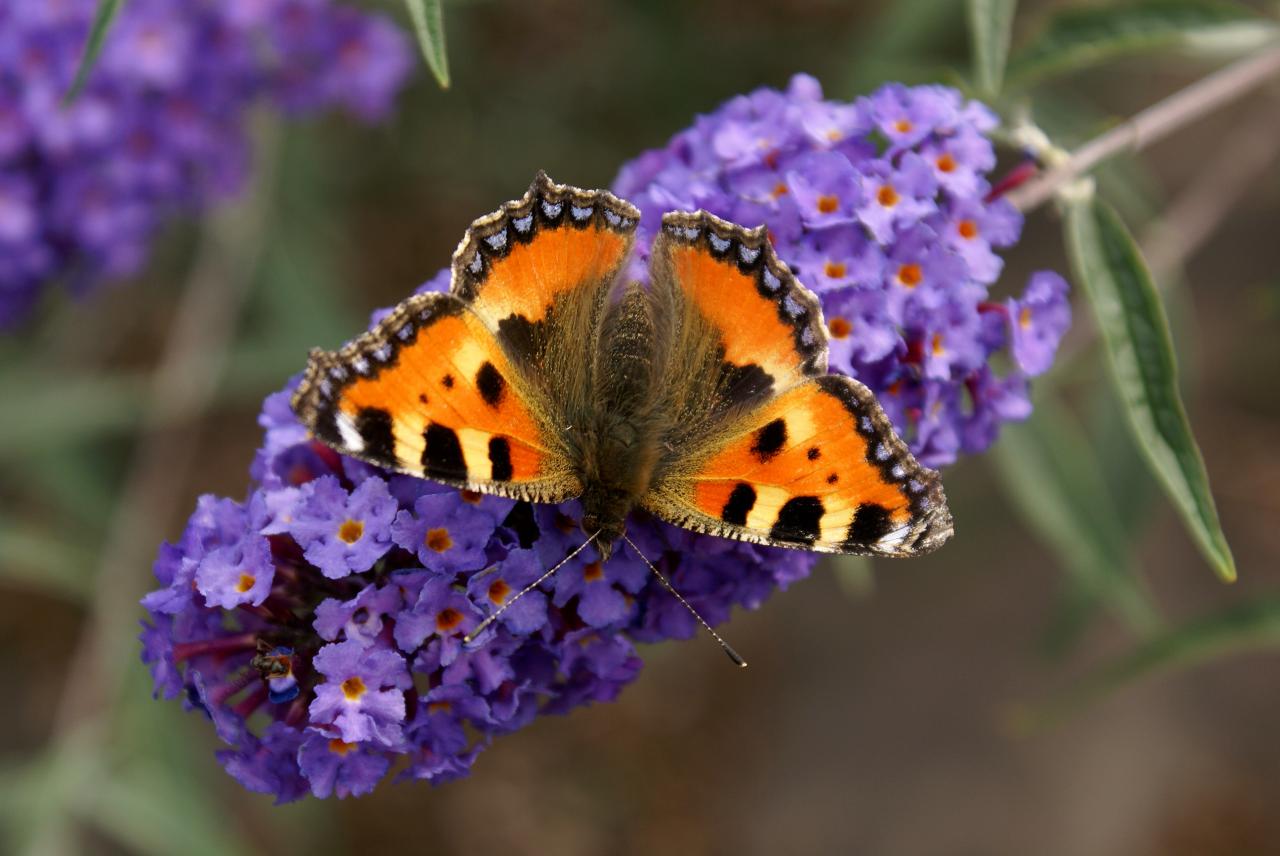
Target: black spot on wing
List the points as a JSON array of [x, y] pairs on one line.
[[374, 427], [741, 501], [442, 456], [740, 385], [491, 384], [769, 440], [870, 524], [500, 458], [447, 380], [814, 453], [799, 521], [524, 338]]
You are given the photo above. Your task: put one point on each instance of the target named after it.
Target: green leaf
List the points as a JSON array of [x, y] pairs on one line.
[[38, 560], [1053, 478], [59, 409], [102, 20], [428, 23], [1131, 318], [39, 797], [151, 812], [855, 576], [1078, 38], [1248, 626], [990, 25]]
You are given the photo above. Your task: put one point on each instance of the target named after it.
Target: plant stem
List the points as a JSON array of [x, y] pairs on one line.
[[1199, 209], [182, 388], [1154, 123]]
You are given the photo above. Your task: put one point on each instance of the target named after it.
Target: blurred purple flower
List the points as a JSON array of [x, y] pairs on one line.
[[1038, 320], [884, 207], [160, 128]]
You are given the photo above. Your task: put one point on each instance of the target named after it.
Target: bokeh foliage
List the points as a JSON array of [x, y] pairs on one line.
[[1085, 474]]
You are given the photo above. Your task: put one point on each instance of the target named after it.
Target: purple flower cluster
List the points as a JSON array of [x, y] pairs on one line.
[[884, 208], [320, 624], [160, 127]]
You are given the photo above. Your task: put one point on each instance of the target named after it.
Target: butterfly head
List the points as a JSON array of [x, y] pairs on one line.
[[604, 511]]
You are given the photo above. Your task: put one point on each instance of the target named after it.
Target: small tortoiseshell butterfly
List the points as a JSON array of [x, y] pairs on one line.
[[703, 398]]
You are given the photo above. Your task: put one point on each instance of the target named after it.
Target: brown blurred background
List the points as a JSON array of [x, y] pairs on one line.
[[875, 718]]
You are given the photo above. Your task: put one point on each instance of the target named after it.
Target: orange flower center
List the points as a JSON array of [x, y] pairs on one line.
[[353, 687], [779, 189], [910, 275], [439, 706], [1024, 317], [351, 530], [967, 229], [903, 126], [834, 136], [593, 572], [498, 591], [887, 196], [840, 328], [945, 162], [438, 540], [245, 583], [938, 350], [835, 270], [828, 204], [447, 619], [339, 747]]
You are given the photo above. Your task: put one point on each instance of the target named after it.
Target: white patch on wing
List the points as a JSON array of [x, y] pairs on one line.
[[350, 436], [892, 539]]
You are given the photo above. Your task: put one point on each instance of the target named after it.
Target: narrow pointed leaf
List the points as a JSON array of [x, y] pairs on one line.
[[428, 23], [39, 561], [990, 26], [1052, 476], [152, 813], [1135, 331], [1249, 626], [102, 21], [1080, 37], [855, 576]]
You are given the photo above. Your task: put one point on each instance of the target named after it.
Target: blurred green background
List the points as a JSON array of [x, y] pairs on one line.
[[910, 708]]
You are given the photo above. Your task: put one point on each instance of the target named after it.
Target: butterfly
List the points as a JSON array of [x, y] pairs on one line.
[[702, 398]]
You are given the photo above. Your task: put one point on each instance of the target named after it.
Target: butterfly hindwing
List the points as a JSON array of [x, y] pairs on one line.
[[430, 392], [816, 468]]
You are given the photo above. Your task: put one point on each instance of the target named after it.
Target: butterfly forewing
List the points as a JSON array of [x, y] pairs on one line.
[[429, 392]]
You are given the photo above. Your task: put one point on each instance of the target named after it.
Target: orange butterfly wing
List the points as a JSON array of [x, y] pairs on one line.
[[458, 387], [430, 392], [782, 453]]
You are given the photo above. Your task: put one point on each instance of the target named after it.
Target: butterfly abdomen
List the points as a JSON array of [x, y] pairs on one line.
[[620, 445]]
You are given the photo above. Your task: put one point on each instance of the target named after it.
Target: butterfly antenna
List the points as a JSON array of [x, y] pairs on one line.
[[728, 649], [524, 591]]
